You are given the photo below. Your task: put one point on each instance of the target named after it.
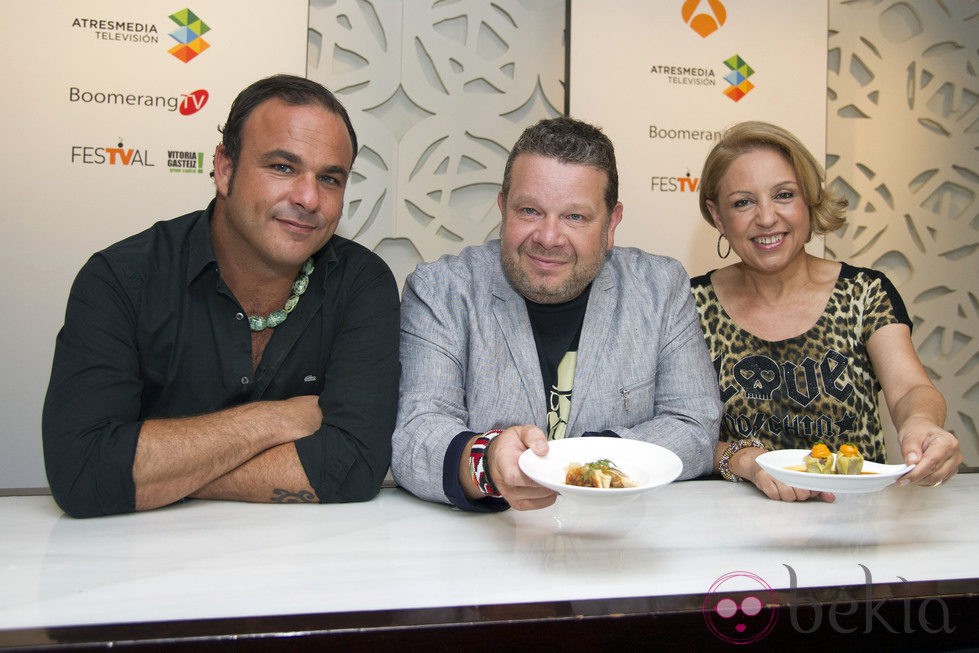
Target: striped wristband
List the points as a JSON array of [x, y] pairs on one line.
[[478, 464]]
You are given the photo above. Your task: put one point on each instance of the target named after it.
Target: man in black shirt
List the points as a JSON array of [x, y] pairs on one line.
[[241, 352]]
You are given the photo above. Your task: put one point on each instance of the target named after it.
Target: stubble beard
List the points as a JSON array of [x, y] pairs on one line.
[[541, 293]]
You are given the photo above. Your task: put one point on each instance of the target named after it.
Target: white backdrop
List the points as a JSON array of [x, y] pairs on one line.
[[872, 108], [95, 109], [652, 75]]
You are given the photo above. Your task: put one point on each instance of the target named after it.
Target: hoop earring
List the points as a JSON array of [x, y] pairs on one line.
[[728, 252]]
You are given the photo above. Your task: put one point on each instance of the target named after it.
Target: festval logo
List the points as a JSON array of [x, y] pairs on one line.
[[703, 22], [738, 78], [188, 37]]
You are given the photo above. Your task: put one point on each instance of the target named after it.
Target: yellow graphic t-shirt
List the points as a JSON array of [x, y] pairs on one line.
[[556, 329], [559, 399]]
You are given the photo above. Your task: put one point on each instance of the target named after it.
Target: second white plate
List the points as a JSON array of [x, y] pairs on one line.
[[875, 478]]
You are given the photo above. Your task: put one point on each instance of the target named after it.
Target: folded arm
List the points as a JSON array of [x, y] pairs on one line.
[[348, 457], [243, 453]]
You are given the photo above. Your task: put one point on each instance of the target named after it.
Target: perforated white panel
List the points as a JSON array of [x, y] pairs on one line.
[[438, 92], [903, 146]]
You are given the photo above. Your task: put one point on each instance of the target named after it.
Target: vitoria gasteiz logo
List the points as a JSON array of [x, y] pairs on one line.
[[738, 78], [189, 36]]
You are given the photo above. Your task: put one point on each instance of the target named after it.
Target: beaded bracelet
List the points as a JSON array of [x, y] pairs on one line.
[[724, 463], [478, 466]]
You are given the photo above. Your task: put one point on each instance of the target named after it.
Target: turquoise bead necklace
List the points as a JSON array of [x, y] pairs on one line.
[[275, 318]]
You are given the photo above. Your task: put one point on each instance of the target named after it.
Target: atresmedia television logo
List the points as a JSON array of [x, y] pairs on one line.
[[735, 611]]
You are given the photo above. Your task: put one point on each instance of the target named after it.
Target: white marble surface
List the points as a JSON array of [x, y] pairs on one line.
[[214, 559]]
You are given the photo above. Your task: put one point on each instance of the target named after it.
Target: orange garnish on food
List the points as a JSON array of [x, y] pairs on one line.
[[820, 451], [848, 450]]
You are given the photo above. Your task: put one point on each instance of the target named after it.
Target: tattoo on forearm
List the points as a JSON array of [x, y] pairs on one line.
[[285, 496]]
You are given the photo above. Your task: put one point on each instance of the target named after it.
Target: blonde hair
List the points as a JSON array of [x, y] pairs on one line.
[[827, 210]]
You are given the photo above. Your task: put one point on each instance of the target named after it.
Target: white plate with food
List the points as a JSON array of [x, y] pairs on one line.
[[789, 467], [597, 461]]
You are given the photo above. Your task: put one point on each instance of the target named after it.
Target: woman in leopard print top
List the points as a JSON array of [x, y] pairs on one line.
[[803, 345]]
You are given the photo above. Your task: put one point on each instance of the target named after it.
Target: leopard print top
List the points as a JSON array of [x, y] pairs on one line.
[[816, 387]]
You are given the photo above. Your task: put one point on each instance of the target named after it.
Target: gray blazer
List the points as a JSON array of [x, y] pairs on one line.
[[469, 363]]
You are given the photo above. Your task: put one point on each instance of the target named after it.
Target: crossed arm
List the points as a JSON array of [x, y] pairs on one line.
[[242, 453]]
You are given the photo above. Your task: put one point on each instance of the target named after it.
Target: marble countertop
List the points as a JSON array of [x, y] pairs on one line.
[[205, 559]]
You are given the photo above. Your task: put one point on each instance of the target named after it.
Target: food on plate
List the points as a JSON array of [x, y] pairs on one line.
[[601, 473], [819, 460], [849, 460]]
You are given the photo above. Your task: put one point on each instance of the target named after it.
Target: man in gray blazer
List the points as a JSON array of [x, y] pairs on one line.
[[549, 332]]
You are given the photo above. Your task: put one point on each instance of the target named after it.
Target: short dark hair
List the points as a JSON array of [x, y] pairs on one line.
[[294, 90], [569, 141]]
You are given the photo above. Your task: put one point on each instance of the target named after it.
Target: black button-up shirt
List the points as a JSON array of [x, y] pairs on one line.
[[152, 331]]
